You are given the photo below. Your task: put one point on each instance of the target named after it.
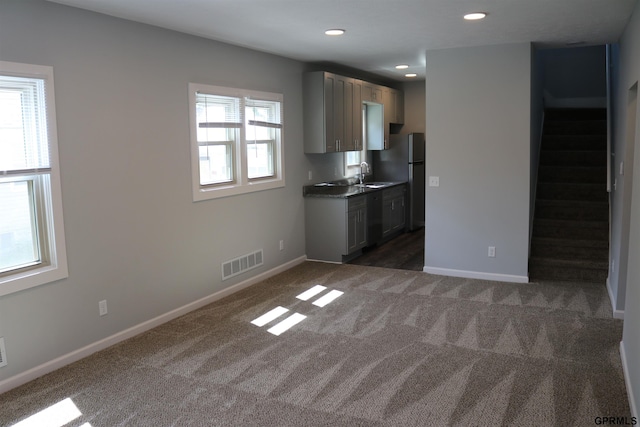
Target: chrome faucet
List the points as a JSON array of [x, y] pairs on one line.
[[363, 166]]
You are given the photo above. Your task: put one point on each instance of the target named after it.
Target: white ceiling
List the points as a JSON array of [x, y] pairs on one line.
[[379, 33]]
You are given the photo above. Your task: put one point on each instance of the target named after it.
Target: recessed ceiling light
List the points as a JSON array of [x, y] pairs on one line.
[[402, 67], [334, 32], [475, 16], [411, 75]]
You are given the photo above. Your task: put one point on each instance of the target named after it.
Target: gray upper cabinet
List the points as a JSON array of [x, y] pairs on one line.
[[332, 113], [371, 93], [394, 104]]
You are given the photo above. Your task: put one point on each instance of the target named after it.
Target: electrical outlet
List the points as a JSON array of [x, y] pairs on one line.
[[281, 245], [434, 181], [102, 306], [310, 175], [492, 252]]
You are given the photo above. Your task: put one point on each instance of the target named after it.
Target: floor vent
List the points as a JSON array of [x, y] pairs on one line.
[[3, 353], [241, 264]]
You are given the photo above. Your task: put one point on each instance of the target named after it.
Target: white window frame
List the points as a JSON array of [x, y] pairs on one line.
[[240, 183], [47, 196], [353, 169]]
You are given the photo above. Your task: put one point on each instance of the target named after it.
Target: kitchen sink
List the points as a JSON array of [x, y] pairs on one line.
[[375, 184]]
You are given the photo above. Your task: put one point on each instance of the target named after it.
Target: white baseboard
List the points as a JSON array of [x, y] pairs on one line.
[[476, 275], [617, 314], [83, 352], [324, 261], [627, 380]]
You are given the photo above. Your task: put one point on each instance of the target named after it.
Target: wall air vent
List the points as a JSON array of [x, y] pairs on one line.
[[241, 264], [3, 353]]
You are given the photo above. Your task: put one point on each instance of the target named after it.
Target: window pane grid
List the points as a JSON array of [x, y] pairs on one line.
[[237, 141], [32, 248], [262, 127], [24, 150], [218, 129]]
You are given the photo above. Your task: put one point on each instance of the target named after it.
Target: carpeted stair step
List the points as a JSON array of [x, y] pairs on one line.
[[566, 270], [572, 191], [575, 114], [588, 174], [575, 127], [572, 210], [574, 142], [573, 158], [584, 250], [567, 229], [570, 238]]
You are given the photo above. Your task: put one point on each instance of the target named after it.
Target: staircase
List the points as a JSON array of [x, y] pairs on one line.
[[570, 240]]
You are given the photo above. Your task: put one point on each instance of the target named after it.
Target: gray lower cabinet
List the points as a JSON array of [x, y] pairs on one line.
[[356, 224], [336, 228], [393, 210]]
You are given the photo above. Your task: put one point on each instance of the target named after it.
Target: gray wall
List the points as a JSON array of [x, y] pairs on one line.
[[628, 76], [134, 236], [478, 142], [578, 72]]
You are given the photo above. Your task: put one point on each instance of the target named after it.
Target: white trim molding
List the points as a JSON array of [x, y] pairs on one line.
[[476, 275], [617, 314], [88, 350]]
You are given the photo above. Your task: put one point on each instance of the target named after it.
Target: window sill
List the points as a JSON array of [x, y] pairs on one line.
[[232, 190], [32, 278]]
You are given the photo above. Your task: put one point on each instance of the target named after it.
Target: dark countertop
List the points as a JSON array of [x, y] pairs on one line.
[[328, 190]]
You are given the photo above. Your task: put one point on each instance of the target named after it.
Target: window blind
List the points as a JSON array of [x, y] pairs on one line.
[[24, 146], [217, 116]]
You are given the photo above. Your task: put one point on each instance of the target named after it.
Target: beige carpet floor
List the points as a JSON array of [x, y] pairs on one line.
[[396, 348]]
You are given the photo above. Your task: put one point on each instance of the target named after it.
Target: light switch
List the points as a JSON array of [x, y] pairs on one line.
[[434, 181]]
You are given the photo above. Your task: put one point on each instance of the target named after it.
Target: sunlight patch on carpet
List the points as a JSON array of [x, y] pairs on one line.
[[55, 415], [286, 324], [327, 299], [310, 293], [269, 316]]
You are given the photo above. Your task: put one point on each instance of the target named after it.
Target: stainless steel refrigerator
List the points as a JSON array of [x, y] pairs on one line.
[[404, 161]]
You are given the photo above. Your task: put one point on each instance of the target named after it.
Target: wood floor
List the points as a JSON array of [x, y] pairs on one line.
[[405, 252]]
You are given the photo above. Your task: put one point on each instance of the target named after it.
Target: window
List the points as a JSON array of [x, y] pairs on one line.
[[353, 159], [236, 141], [32, 248]]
